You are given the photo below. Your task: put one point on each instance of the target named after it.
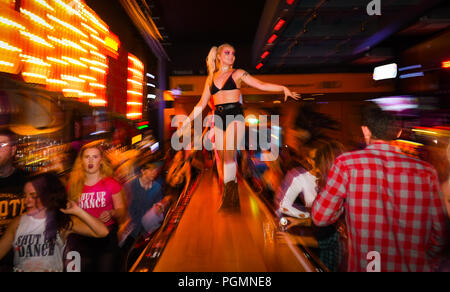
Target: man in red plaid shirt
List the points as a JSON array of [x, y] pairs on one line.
[[392, 203]]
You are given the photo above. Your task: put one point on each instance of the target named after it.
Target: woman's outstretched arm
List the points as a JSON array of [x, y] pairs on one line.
[[264, 86]]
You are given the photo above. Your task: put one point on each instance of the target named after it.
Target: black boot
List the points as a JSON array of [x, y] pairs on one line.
[[230, 198]]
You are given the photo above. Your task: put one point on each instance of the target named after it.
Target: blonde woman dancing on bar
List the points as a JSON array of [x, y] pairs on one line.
[[223, 86]]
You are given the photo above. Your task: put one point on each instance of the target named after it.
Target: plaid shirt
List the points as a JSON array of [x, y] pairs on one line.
[[393, 206]]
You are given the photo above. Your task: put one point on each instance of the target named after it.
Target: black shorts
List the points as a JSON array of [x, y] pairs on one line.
[[234, 112]]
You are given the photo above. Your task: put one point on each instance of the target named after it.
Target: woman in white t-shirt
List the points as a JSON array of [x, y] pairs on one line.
[[38, 237], [306, 181], [306, 184]]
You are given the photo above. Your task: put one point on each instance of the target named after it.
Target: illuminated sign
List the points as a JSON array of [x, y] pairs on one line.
[[136, 139], [385, 72], [135, 90], [59, 44], [112, 44]]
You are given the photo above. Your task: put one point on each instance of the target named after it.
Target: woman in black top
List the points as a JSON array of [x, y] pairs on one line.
[[223, 86]]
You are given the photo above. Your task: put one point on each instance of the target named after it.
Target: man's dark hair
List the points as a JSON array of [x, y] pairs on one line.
[[153, 164], [8, 133], [383, 125]]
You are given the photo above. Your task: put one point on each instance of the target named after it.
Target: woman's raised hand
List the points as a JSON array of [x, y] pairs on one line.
[[288, 93], [72, 208]]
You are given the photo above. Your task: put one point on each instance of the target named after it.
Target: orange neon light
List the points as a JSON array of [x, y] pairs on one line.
[[61, 44], [135, 90]]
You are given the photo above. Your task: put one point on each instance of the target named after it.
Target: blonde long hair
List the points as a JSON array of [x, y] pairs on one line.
[[78, 177], [212, 62]]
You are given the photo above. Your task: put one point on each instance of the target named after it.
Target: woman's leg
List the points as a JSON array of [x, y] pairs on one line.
[[233, 140], [234, 137], [219, 152]]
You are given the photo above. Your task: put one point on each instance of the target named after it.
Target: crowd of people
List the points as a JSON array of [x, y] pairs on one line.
[[92, 212], [372, 199]]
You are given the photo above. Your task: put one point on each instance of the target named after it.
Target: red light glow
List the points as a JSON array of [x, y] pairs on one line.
[[279, 25], [272, 39]]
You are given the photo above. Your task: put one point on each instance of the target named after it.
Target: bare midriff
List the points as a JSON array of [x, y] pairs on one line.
[[228, 96]]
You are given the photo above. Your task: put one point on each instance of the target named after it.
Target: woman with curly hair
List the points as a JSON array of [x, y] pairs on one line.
[[39, 236]]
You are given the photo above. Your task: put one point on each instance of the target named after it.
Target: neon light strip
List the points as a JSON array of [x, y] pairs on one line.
[[56, 81], [89, 45], [134, 115], [135, 82], [9, 22], [98, 39], [97, 101], [72, 78], [136, 72], [410, 68], [87, 77], [89, 28], [28, 74], [412, 75], [36, 18], [6, 46], [45, 4], [134, 92], [425, 132], [97, 85], [97, 69], [36, 39], [88, 94], [65, 24], [94, 19], [69, 9], [409, 142], [98, 54], [36, 62], [74, 45], [4, 63], [74, 61], [57, 61]]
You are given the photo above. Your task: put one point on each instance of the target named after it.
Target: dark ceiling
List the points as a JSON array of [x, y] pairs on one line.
[[192, 27], [318, 35], [330, 35]]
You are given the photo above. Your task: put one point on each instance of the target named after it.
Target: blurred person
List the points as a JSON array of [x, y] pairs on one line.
[[179, 174], [12, 181], [145, 200], [227, 102], [38, 237], [91, 185], [303, 183], [445, 265], [305, 180], [392, 202], [446, 179]]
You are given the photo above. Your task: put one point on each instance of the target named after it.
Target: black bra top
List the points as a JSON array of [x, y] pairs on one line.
[[229, 85]]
